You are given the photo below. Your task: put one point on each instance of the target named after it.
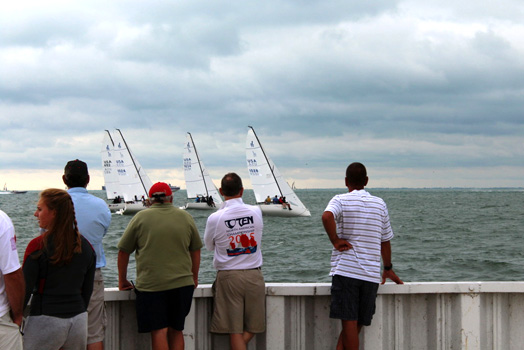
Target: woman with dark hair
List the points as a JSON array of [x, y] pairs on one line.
[[59, 268]]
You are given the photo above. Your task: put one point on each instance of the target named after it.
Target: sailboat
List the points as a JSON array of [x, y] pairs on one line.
[[198, 182], [6, 191], [111, 183], [174, 188], [132, 178], [267, 181]]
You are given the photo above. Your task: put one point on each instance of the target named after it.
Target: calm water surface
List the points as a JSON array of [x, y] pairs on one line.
[[440, 235]]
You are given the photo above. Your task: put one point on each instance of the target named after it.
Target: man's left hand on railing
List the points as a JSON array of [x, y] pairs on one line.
[[392, 276]]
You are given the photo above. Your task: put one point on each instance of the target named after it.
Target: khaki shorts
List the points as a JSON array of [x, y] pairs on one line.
[[96, 311], [10, 336], [239, 302]]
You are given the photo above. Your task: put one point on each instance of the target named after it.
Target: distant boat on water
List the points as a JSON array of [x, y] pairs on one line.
[[174, 188], [6, 191]]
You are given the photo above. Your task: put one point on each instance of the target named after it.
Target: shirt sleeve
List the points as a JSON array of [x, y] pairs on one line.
[[209, 234], [106, 219], [387, 231], [334, 206], [8, 254]]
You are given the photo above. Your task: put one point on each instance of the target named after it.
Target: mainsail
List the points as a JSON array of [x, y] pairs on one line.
[[111, 183], [198, 181], [134, 182]]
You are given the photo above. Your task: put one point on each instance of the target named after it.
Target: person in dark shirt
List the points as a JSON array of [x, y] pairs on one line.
[[59, 269]]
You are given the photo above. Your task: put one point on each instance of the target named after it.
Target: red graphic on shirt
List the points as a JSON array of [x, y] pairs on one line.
[[242, 244]]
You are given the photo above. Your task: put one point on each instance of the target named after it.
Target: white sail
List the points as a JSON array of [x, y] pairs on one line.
[[267, 180], [134, 182], [111, 183], [198, 181]]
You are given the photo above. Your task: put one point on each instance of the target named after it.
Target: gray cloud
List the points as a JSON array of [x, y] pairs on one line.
[[404, 85]]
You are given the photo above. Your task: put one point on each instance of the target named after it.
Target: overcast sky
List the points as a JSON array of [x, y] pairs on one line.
[[424, 93]]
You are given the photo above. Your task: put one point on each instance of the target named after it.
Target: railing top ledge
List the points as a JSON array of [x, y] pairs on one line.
[[318, 289]]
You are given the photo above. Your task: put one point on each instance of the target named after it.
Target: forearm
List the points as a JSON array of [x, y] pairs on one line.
[[195, 264], [386, 260], [123, 262], [385, 251], [328, 221], [15, 290]]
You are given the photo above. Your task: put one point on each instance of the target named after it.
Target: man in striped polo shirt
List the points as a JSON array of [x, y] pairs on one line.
[[358, 226]]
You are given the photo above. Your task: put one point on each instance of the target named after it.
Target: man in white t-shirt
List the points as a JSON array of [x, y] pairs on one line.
[[234, 233], [358, 226], [12, 287]]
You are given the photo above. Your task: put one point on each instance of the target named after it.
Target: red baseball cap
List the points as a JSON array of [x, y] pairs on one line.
[[160, 188]]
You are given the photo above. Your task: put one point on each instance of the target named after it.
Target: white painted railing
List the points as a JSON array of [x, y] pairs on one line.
[[422, 316]]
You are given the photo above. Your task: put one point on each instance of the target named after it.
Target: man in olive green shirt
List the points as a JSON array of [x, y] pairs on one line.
[[167, 253]]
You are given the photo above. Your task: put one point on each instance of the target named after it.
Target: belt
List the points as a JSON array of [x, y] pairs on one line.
[[255, 268]]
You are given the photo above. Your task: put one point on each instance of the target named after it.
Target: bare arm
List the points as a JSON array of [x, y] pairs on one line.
[[195, 267], [123, 261], [328, 220], [15, 290], [385, 250]]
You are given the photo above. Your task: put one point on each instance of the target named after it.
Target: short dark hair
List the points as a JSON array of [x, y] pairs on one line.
[[76, 174], [231, 184], [356, 174], [76, 180]]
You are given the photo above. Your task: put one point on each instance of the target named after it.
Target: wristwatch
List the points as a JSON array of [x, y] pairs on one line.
[[387, 268]]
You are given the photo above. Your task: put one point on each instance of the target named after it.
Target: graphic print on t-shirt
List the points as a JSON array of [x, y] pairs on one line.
[[241, 234]]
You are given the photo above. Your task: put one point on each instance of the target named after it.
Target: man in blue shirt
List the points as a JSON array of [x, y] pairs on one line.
[[93, 218]]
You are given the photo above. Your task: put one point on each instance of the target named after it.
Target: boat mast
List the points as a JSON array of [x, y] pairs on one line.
[[199, 166], [267, 160], [134, 164], [111, 139]]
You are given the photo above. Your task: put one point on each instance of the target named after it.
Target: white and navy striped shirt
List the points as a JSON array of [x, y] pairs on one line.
[[362, 220]]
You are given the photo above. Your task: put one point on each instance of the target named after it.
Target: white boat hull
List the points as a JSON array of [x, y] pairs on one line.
[[114, 207], [199, 206], [279, 210], [132, 208]]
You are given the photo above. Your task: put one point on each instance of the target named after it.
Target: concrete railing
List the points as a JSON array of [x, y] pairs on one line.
[[422, 316]]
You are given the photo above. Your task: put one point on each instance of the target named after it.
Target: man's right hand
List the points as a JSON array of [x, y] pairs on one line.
[[341, 245], [125, 285], [18, 320]]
